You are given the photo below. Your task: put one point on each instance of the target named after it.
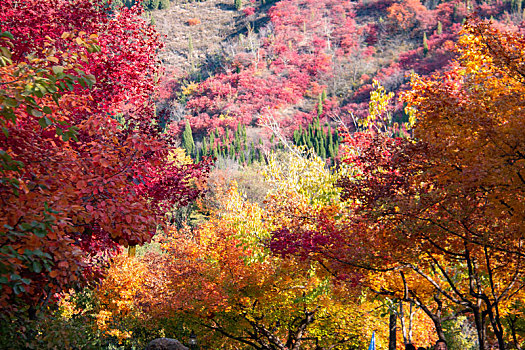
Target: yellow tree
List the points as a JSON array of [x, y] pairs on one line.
[[445, 209], [439, 216], [222, 281], [224, 277], [471, 203]]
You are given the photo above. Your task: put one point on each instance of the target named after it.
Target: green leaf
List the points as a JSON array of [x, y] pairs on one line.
[[58, 69], [42, 122], [25, 226], [47, 110], [38, 252], [7, 35], [26, 281], [15, 277], [40, 233], [69, 86], [36, 113], [91, 79], [11, 102], [5, 52], [37, 267]]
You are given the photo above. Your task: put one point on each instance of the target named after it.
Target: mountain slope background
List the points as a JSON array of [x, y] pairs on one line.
[[294, 61]]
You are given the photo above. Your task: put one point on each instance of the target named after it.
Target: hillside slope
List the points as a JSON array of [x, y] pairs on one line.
[[211, 26], [298, 61]]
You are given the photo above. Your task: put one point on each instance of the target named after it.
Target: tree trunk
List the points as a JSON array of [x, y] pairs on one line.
[[392, 327], [480, 327]]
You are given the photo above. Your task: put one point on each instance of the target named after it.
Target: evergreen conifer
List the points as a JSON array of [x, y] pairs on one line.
[[320, 105], [187, 140], [164, 4], [322, 151], [331, 152], [425, 44], [330, 138], [204, 146], [238, 4]]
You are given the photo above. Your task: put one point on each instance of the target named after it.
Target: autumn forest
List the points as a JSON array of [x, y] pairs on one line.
[[262, 174]]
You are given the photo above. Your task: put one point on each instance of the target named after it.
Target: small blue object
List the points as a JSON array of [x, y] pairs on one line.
[[372, 345]]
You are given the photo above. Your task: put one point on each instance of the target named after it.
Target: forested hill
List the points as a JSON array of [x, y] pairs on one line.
[[242, 63]]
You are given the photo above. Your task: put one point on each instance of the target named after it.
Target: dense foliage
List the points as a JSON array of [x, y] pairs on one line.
[[84, 167]]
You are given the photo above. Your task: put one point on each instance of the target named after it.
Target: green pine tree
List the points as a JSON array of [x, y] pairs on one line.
[[198, 156], [251, 156], [296, 136], [322, 151], [238, 147], [317, 129], [116, 4], [337, 140], [518, 6], [204, 146], [239, 129], [242, 158], [320, 105], [304, 138], [238, 4], [260, 154], [238, 141], [330, 137], [425, 44], [164, 4], [187, 140], [331, 152]]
